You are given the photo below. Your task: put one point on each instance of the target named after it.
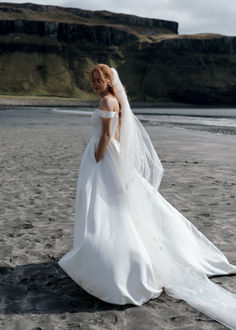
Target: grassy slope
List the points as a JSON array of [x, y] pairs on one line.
[[62, 70], [149, 76]]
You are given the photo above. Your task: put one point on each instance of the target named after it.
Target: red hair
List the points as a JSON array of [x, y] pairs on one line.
[[106, 74]]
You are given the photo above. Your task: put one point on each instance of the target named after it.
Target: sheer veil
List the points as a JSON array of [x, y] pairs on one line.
[[137, 152], [181, 254]]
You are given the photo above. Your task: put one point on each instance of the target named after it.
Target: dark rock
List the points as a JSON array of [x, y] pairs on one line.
[[99, 34], [215, 45], [120, 18], [155, 66]]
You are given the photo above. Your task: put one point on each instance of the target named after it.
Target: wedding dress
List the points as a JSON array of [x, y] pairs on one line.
[[130, 243]]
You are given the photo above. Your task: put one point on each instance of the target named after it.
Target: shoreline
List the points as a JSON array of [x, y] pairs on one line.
[[29, 101], [219, 130], [37, 112]]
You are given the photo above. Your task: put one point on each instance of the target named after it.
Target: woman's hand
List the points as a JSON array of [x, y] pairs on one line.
[[97, 160]]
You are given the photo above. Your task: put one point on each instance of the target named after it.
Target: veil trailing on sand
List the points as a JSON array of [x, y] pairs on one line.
[[182, 257], [137, 151]]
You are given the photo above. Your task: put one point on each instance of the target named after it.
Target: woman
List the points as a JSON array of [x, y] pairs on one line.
[[129, 242]]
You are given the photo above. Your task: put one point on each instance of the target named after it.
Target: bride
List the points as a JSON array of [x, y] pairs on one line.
[[130, 243]]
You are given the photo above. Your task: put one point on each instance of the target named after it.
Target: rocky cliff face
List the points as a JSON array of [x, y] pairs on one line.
[[99, 34], [209, 44], [30, 11], [104, 14], [45, 56], [111, 35]]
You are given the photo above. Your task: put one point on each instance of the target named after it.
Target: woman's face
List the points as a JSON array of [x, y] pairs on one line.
[[99, 86]]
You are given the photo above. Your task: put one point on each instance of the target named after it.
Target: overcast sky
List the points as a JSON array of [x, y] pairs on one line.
[[193, 16]]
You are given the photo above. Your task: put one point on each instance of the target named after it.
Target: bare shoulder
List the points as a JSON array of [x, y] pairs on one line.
[[109, 103]]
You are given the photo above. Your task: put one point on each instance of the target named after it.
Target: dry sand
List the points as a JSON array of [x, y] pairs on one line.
[[40, 157]]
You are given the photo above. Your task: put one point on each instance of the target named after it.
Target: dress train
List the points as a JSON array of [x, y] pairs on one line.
[[130, 243]]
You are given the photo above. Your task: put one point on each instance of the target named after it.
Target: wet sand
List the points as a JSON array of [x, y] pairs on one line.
[[47, 101], [40, 157]]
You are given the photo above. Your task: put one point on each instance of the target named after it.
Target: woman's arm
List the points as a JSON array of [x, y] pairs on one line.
[[104, 138], [106, 131]]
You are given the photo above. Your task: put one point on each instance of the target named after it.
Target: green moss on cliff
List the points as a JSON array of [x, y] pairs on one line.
[[39, 74], [197, 69]]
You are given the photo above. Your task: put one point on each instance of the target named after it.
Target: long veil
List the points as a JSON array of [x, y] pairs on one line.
[[181, 254], [137, 152]]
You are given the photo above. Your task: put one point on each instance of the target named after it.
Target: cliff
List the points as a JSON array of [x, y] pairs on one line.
[[107, 35], [50, 50]]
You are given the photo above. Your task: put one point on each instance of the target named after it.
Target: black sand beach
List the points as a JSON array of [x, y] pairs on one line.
[[40, 157]]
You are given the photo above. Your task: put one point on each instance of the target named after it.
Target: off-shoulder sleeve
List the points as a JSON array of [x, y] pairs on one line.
[[106, 114]]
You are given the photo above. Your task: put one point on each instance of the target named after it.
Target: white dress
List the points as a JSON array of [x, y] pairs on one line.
[[127, 253]]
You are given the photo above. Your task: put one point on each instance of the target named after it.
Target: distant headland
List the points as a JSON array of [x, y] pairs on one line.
[[48, 52]]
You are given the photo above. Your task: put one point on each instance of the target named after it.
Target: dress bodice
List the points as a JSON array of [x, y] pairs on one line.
[[96, 121]]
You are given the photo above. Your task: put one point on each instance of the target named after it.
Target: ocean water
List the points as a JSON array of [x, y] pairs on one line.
[[222, 121], [219, 121]]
